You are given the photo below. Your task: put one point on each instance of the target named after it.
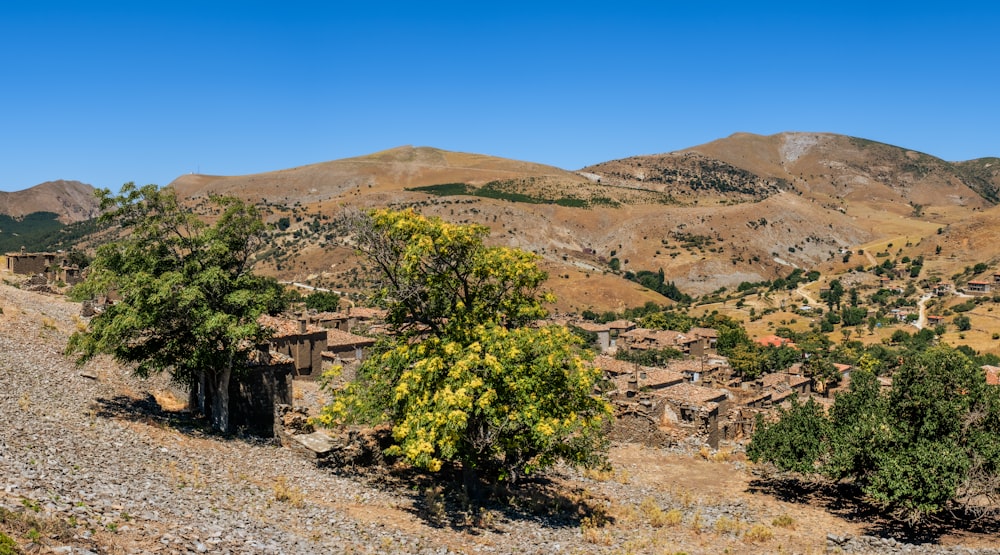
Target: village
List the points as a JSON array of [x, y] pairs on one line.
[[696, 398]]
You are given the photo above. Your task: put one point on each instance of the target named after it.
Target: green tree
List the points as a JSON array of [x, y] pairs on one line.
[[323, 301], [927, 446], [189, 302], [963, 323], [834, 295], [465, 379], [748, 360], [853, 315], [795, 441]]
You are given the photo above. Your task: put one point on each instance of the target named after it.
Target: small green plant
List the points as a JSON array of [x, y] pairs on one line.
[[31, 504], [34, 535], [8, 546]]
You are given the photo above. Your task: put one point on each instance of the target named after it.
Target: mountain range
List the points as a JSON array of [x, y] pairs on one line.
[[745, 208]]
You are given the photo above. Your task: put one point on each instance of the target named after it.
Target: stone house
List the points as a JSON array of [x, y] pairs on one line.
[[695, 408], [651, 404], [350, 319], [255, 395], [703, 341], [602, 331], [300, 340], [619, 327], [646, 379], [775, 388], [642, 339], [29, 263], [342, 346]]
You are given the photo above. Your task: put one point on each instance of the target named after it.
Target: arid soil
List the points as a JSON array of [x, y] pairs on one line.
[[93, 460]]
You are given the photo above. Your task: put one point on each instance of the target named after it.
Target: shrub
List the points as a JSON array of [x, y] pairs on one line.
[[758, 533], [783, 521], [8, 546]]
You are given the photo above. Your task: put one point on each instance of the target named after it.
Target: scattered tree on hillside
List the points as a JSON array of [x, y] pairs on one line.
[[963, 323], [834, 295], [465, 378], [189, 301]]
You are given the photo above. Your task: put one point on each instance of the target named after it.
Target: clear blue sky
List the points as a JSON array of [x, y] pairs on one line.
[[109, 92]]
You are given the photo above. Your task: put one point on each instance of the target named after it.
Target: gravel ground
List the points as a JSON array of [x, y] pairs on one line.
[[95, 453], [87, 448]]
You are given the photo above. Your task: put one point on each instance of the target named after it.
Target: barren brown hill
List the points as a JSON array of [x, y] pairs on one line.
[[388, 170], [71, 200], [859, 170], [744, 208]]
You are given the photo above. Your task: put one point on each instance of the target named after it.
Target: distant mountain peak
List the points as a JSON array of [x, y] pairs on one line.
[[73, 201]]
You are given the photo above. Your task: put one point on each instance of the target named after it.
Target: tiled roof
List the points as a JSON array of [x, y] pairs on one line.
[[340, 338], [774, 341], [777, 378], [285, 327], [591, 326], [613, 365], [693, 394]]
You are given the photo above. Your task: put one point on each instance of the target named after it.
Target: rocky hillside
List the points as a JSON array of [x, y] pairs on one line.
[[744, 208], [72, 201]]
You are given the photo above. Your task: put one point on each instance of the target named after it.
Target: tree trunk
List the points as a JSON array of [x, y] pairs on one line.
[[472, 483], [219, 416], [197, 394]]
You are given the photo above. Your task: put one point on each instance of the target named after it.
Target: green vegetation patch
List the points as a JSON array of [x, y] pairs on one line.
[[18, 232], [445, 189], [504, 190], [42, 231]]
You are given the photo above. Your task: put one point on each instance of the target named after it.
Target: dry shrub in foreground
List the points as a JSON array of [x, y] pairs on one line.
[[758, 533]]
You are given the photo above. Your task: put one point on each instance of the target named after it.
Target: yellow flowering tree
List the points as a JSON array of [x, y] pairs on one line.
[[465, 379]]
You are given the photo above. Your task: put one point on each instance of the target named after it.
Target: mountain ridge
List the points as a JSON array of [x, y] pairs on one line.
[[72, 201], [745, 208]]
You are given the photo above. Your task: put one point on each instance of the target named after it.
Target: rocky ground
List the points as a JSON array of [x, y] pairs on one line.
[[93, 460]]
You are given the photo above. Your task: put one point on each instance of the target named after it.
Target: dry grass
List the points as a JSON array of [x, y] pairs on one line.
[[168, 401], [727, 525], [655, 516], [783, 521], [593, 529], [758, 533], [286, 493]]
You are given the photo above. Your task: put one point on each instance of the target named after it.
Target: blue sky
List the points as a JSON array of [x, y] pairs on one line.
[[109, 92]]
